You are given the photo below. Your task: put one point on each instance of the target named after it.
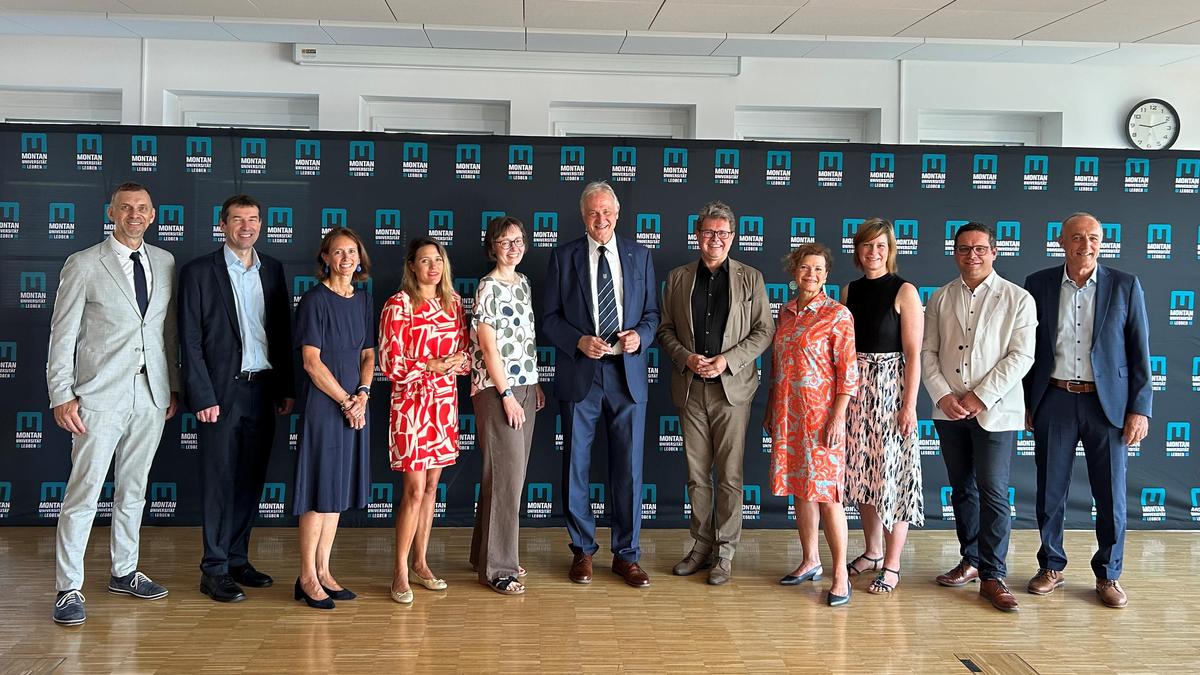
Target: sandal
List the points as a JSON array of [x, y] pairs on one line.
[[879, 586], [852, 567], [506, 586]]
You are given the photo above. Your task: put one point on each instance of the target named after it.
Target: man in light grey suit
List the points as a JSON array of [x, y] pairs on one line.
[[112, 373], [715, 321]]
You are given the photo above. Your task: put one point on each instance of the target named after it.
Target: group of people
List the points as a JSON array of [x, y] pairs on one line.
[[1066, 356]]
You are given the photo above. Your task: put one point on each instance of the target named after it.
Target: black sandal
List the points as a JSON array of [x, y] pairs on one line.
[[876, 563], [507, 586], [879, 587]]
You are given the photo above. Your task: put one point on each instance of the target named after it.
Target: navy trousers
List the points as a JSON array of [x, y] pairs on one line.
[[1061, 421], [977, 465], [608, 402]]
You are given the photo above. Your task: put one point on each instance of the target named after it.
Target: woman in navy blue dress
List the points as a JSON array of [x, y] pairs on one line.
[[335, 334]]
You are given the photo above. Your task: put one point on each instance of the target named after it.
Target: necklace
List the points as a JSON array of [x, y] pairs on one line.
[[348, 293]]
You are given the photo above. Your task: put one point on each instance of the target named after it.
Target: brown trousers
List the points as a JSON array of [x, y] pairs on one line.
[[505, 451], [714, 440]]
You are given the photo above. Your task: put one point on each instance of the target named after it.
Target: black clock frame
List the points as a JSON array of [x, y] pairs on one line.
[[1134, 109]]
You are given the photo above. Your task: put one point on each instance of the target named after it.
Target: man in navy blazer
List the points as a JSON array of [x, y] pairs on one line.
[[601, 313], [1090, 382], [236, 338]]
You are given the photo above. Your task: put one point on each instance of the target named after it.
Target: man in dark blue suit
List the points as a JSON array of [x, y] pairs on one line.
[[601, 313], [236, 338], [1090, 382]]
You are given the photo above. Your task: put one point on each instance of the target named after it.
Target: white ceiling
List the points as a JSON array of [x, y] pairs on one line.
[[1141, 32]]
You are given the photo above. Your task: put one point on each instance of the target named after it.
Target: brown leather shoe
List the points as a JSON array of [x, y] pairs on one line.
[[694, 562], [997, 593], [1045, 581], [1111, 593], [632, 574], [962, 574], [581, 569], [721, 572]]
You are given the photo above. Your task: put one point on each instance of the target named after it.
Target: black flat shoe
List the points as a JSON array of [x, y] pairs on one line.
[[344, 594], [839, 600], [793, 580], [327, 603]]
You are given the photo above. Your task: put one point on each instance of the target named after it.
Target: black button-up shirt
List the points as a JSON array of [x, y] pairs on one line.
[[710, 308]]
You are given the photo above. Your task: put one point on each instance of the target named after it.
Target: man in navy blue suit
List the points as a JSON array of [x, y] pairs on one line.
[[236, 338], [1090, 382], [601, 314]]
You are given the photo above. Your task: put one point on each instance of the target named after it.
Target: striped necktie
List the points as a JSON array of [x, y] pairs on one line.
[[606, 300]]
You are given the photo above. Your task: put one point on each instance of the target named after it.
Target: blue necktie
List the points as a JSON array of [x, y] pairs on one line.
[[606, 300], [139, 282]]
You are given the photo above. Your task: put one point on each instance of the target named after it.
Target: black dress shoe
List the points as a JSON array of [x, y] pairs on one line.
[[248, 576], [324, 603], [221, 587], [342, 594]]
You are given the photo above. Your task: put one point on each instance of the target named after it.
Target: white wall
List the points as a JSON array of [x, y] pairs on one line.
[[1093, 101]]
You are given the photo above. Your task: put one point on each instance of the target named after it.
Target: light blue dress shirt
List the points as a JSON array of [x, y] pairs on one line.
[[251, 310]]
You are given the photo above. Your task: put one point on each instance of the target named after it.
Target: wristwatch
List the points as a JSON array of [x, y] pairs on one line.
[[506, 393], [363, 389]]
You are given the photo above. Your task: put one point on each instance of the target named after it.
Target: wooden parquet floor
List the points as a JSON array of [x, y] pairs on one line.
[[676, 625]]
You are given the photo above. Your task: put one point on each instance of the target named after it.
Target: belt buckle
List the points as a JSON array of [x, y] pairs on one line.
[[1071, 384]]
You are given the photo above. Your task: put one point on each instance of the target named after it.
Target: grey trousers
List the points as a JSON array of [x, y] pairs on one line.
[[130, 437], [505, 450], [714, 440]]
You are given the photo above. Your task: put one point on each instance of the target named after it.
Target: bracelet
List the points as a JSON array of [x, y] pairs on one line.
[[363, 389], [346, 404]]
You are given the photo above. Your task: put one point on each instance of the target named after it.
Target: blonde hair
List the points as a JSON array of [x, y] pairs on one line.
[[445, 286]]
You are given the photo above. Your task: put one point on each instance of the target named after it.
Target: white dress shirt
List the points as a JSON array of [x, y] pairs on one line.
[[614, 265], [967, 308], [1076, 320]]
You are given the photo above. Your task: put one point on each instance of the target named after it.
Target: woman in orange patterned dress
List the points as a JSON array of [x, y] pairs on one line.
[[422, 347], [814, 372]]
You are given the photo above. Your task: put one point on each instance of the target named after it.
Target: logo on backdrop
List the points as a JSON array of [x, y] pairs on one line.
[[1008, 238], [933, 171], [520, 162], [5, 498], [189, 439], [777, 295], [1183, 307], [1158, 373], [946, 494], [331, 218], [927, 438], [545, 229], [779, 168], [35, 152], [1154, 504], [558, 433], [546, 363], [750, 234], [727, 167], [89, 152], [164, 500], [1187, 176], [439, 505], [217, 234], [361, 162], [596, 499], [649, 501], [104, 505], [143, 154], [1037, 172], [675, 165], [467, 161], [1111, 246], [170, 223], [804, 231], [308, 158], [388, 227], [1053, 232], [279, 225], [10, 220], [254, 156], [539, 500], [32, 290], [692, 243], [1196, 504], [415, 162], [1158, 241], [28, 431], [1012, 502], [8, 360], [572, 163], [882, 170], [485, 218], [829, 169], [906, 236], [466, 287], [652, 356], [670, 433], [1025, 443], [849, 229], [985, 172], [199, 154], [766, 443], [293, 431], [624, 164], [1179, 439], [1087, 174], [466, 432], [441, 227], [1137, 175], [61, 223], [382, 495], [300, 285], [274, 498], [50, 499], [952, 227], [648, 231], [1195, 369], [751, 502]]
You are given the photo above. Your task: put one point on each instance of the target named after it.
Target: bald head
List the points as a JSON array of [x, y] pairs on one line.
[[1080, 239]]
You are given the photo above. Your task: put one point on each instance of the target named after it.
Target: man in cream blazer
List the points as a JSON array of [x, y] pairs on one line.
[[979, 337], [715, 322], [112, 374]]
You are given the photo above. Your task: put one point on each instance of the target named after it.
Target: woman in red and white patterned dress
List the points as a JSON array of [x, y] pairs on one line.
[[423, 346], [814, 372]]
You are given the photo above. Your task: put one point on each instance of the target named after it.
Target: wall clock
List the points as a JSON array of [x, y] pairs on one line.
[[1152, 124]]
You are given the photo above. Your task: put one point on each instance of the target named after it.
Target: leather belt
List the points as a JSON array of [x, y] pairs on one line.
[[252, 375], [1074, 386]]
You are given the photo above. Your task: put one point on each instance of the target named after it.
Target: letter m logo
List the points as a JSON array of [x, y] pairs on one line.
[[1154, 496], [539, 492]]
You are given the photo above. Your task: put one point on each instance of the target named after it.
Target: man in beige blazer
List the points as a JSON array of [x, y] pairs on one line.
[[112, 374], [979, 338], [715, 323]]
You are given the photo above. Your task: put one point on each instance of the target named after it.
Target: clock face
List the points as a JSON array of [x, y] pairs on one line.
[[1152, 125]]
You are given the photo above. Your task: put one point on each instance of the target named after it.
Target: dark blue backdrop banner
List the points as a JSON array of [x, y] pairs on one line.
[[55, 182]]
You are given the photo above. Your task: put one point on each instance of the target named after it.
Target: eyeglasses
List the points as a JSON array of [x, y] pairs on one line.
[[509, 244], [723, 235], [977, 250]]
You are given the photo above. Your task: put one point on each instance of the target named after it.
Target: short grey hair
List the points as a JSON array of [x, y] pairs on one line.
[[715, 211], [1079, 214], [595, 187]]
